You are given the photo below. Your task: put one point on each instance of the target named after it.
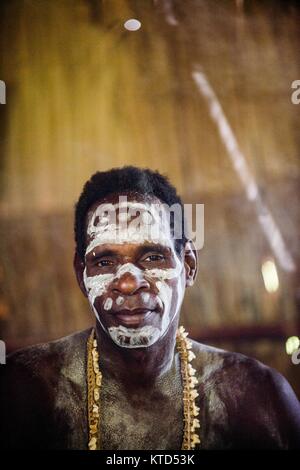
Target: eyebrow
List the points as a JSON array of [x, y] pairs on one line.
[[154, 247], [106, 252], [140, 250]]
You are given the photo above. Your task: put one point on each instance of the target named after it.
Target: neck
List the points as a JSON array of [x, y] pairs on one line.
[[139, 366]]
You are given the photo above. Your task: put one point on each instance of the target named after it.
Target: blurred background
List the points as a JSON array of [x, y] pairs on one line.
[[201, 92]]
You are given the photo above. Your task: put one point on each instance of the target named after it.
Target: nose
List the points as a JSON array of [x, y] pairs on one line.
[[130, 284]]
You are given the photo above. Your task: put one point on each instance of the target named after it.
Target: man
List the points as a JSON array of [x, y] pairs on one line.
[[137, 382]]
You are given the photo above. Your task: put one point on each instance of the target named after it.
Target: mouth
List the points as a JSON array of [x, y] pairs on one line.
[[133, 317]]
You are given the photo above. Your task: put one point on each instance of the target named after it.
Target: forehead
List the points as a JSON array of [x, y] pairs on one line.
[[130, 202], [128, 218]]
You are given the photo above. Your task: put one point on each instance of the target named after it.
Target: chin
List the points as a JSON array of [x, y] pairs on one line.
[[131, 338]]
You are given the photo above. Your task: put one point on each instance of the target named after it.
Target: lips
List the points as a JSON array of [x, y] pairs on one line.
[[133, 317]]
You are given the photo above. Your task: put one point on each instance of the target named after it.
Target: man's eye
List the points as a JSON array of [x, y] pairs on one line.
[[155, 258], [104, 262]]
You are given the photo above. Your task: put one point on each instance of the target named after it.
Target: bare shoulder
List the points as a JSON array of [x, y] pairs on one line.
[[258, 398], [237, 370], [33, 386], [213, 362], [45, 359]]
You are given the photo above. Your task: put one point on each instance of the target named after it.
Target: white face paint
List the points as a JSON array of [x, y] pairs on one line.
[[108, 304], [101, 231], [110, 224], [119, 300], [134, 337], [145, 296], [96, 286]]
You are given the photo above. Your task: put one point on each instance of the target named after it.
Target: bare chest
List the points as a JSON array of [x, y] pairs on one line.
[[144, 419]]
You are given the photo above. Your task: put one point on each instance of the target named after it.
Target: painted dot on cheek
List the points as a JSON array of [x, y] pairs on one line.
[[119, 300], [108, 304]]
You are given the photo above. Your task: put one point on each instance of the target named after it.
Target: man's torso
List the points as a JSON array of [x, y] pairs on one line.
[[45, 402]]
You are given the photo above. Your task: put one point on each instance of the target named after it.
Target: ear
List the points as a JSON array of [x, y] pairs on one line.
[[190, 262], [79, 266]]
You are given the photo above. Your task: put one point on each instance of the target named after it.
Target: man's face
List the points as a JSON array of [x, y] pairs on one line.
[[134, 278]]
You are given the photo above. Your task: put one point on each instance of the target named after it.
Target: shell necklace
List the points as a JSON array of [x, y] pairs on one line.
[[189, 381]]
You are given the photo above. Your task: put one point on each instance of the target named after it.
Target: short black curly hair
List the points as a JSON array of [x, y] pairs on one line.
[[117, 180]]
